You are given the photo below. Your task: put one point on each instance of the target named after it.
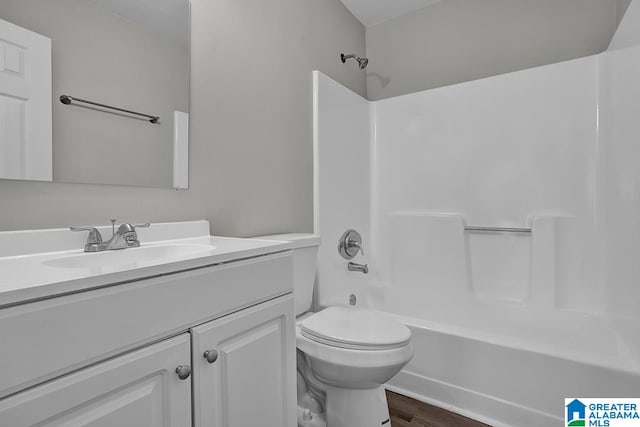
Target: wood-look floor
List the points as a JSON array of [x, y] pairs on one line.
[[407, 412]]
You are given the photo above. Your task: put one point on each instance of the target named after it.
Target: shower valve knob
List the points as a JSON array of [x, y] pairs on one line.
[[350, 244]]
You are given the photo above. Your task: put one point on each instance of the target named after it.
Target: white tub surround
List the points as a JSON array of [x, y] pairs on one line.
[[341, 186], [188, 329], [551, 150]]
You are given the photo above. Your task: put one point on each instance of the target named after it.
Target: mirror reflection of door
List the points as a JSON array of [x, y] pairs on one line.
[[25, 104], [127, 54]]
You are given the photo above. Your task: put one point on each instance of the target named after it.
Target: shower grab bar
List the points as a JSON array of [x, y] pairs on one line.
[[66, 100], [497, 229]]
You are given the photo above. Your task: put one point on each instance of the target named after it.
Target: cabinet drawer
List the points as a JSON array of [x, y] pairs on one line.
[[136, 389], [45, 339]]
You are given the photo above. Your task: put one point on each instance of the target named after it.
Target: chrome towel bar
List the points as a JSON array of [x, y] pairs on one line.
[[497, 229], [66, 100]]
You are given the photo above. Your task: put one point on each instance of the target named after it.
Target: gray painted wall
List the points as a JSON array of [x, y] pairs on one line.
[[251, 126], [628, 32], [460, 40], [100, 56]]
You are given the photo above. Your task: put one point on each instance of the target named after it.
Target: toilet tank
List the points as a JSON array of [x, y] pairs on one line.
[[305, 262]]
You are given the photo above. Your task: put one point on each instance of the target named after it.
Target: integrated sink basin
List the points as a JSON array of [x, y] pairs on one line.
[[38, 264], [130, 258]]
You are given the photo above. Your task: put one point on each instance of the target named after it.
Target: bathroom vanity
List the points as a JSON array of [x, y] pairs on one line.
[[195, 330]]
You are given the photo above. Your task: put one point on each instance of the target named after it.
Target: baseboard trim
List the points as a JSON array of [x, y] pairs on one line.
[[478, 406]]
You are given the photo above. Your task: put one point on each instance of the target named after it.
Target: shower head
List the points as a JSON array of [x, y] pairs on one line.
[[362, 62]]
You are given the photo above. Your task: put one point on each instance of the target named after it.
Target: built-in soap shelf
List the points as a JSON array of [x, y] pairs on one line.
[[447, 255]]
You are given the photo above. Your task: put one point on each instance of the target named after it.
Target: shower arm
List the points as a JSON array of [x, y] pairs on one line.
[[344, 57], [362, 61]]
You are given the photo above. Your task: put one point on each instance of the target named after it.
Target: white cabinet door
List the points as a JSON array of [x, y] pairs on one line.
[[25, 104], [252, 381], [134, 390]]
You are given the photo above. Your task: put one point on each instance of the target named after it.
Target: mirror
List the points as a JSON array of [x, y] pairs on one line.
[[129, 54]]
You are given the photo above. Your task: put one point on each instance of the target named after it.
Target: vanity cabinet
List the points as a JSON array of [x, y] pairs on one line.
[[108, 357], [244, 368], [137, 389]]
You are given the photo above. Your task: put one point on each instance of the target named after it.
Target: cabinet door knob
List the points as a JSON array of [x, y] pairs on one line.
[[183, 371], [210, 355]]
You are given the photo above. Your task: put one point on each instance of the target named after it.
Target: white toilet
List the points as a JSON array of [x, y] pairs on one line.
[[345, 354]]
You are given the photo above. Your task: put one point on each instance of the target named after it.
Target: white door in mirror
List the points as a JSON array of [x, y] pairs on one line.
[[25, 104]]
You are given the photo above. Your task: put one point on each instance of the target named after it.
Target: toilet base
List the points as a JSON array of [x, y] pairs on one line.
[[347, 407]]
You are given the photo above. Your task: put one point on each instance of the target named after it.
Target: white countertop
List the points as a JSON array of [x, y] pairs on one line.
[[34, 275]]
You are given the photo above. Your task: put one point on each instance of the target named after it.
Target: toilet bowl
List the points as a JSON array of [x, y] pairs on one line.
[[352, 352], [345, 354]]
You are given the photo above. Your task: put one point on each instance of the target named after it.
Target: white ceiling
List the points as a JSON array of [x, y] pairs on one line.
[[372, 12]]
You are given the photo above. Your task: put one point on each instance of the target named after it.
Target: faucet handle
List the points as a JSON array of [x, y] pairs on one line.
[[94, 240], [128, 232], [128, 228], [355, 244], [94, 234]]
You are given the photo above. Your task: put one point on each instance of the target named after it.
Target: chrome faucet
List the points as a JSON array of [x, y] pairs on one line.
[[125, 237]]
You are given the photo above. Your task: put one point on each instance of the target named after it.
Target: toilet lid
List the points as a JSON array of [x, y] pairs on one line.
[[355, 328]]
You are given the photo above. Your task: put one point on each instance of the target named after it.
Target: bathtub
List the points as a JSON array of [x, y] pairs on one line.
[[503, 381]]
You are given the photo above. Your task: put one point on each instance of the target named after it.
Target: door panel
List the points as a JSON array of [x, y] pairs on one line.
[[25, 104], [139, 389], [252, 382]]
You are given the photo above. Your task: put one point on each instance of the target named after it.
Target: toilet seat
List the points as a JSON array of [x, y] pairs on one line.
[[355, 329], [352, 368]]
